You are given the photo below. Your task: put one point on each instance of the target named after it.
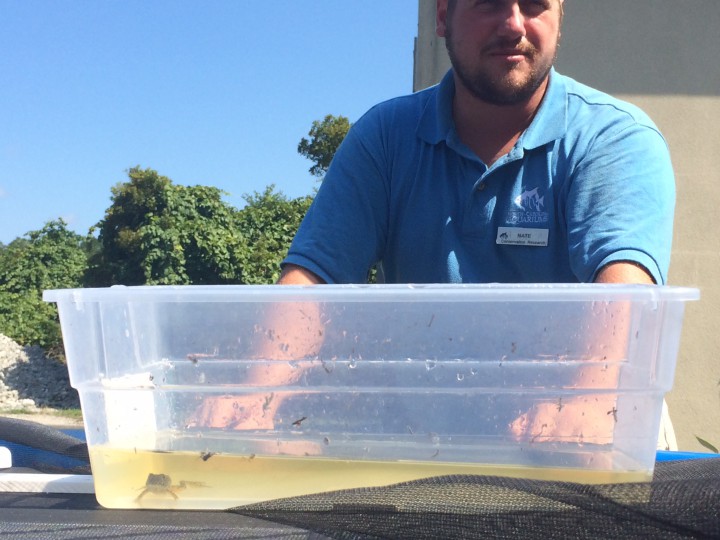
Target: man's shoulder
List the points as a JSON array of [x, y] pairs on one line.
[[586, 101], [402, 111]]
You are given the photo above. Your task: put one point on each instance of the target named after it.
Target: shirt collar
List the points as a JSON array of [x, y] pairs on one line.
[[436, 123], [550, 123]]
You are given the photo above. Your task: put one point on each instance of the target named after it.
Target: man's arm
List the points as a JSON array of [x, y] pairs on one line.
[[293, 332], [575, 420], [297, 275], [624, 272]]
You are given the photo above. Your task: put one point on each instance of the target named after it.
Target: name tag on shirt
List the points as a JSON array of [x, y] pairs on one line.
[[515, 236]]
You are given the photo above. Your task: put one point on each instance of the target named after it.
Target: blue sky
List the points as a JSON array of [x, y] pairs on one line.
[[210, 92]]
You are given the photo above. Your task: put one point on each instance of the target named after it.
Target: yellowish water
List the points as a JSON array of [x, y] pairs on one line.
[[185, 480]]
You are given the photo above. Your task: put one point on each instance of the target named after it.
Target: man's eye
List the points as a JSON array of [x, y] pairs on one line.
[[529, 7], [486, 4], [535, 7]]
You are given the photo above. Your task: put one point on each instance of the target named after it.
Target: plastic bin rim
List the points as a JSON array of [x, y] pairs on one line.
[[551, 292]]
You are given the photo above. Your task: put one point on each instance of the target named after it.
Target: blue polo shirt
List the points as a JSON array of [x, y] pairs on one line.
[[589, 182]]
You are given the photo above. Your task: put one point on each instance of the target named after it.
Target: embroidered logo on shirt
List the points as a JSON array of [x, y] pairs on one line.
[[529, 208], [530, 200]]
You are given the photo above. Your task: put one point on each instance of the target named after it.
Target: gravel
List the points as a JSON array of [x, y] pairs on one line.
[[31, 382]]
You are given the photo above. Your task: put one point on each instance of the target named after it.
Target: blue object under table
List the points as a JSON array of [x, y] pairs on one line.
[[667, 455]]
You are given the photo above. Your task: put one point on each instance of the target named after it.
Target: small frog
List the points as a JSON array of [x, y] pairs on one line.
[[158, 484]]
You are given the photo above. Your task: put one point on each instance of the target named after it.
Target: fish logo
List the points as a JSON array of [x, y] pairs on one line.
[[530, 201]]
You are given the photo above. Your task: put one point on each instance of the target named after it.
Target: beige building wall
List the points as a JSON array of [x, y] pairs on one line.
[[662, 55]]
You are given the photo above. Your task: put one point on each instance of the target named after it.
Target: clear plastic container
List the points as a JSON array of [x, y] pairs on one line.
[[214, 396]]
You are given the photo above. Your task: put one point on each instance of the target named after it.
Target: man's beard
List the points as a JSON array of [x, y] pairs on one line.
[[486, 87]]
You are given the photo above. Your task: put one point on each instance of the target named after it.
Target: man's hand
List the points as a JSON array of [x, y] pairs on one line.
[[583, 419], [292, 331], [577, 420], [252, 411]]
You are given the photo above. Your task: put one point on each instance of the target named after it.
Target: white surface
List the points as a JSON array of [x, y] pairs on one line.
[[5, 458], [46, 483], [666, 439]]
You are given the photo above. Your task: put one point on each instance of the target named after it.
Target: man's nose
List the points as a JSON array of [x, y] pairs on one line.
[[513, 21]]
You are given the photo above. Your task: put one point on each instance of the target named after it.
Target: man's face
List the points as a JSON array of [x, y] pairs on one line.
[[501, 50]]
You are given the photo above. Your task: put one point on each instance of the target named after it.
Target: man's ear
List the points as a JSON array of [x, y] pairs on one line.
[[441, 18]]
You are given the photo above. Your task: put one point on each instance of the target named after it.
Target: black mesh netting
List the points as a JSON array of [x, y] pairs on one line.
[[683, 501]]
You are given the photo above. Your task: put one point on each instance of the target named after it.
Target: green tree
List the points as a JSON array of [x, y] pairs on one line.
[[325, 138], [156, 232], [268, 222], [50, 258], [119, 259]]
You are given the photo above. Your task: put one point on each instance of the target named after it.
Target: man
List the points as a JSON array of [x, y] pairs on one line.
[[504, 172]]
